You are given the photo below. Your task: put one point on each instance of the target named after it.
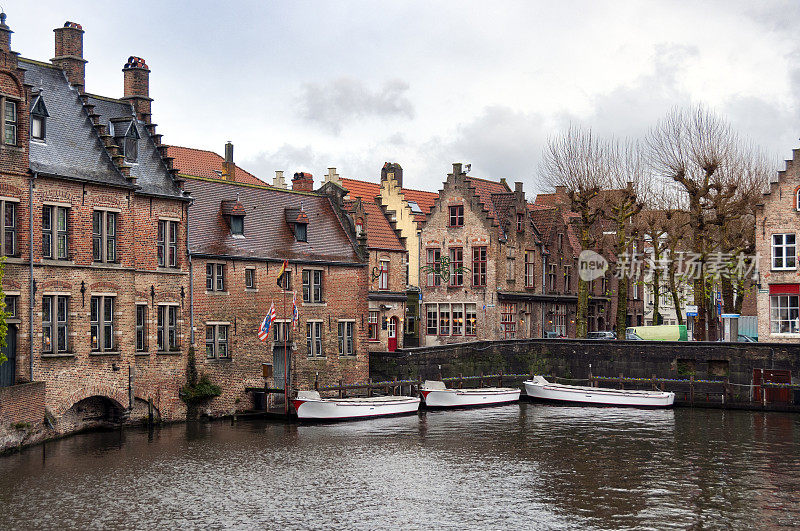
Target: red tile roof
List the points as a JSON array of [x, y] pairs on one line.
[[369, 191], [485, 189], [380, 234], [202, 163]]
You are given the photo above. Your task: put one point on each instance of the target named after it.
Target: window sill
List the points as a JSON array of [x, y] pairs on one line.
[[786, 334], [15, 260], [169, 352], [107, 265], [784, 269], [251, 290], [101, 353], [219, 360], [316, 358], [59, 355], [218, 293], [165, 269], [313, 304], [142, 353], [58, 262], [373, 340], [347, 356]]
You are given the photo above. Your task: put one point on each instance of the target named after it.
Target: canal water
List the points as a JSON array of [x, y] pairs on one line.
[[519, 466]]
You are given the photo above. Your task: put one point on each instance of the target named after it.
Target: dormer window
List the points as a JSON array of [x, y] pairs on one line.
[[127, 138], [39, 117], [298, 223], [301, 232], [359, 227], [414, 206], [237, 225], [234, 213], [520, 223]]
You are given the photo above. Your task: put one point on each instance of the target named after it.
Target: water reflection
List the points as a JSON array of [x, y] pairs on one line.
[[520, 465]]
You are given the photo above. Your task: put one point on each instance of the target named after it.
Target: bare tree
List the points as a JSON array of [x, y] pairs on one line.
[[700, 153], [629, 180], [581, 163]]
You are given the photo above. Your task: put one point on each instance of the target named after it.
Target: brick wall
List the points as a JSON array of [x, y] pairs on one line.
[[571, 358], [387, 308], [22, 403], [242, 310], [777, 215]]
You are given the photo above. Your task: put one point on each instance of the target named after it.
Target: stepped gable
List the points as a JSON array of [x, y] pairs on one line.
[[267, 235], [150, 171], [369, 191], [380, 234], [207, 164], [73, 148], [484, 189]]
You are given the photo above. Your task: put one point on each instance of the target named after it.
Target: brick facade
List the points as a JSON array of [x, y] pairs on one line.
[[777, 227], [54, 185], [487, 226]]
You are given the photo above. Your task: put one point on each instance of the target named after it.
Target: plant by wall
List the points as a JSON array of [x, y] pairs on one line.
[[197, 388]]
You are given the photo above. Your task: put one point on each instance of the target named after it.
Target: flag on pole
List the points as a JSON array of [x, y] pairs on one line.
[[295, 311], [266, 324], [284, 267]]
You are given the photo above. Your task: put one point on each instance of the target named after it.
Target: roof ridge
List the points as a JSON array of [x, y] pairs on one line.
[[194, 149], [37, 62], [378, 184], [264, 186], [106, 98]]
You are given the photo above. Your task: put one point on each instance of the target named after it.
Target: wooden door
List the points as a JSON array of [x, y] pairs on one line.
[[392, 329], [773, 394], [7, 369]]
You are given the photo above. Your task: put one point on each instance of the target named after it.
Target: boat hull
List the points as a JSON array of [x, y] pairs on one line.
[[453, 398], [597, 395], [352, 409]]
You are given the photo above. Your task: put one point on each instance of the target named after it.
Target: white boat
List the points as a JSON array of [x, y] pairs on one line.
[[436, 394], [540, 388], [310, 406]]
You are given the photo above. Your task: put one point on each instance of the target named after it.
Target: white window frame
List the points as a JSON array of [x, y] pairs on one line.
[[784, 310], [788, 252], [347, 343], [100, 323], [163, 328], [314, 344]]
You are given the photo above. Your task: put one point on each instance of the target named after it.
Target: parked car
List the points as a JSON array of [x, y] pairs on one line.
[[601, 335], [553, 335], [657, 333], [747, 339]]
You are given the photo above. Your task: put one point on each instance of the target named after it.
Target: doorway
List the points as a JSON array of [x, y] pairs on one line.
[[8, 369], [392, 330]]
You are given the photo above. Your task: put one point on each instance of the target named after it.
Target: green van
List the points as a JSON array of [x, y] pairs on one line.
[[657, 333]]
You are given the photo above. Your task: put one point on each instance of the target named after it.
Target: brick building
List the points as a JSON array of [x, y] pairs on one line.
[[94, 231], [239, 236], [405, 210], [602, 309], [483, 265], [777, 226], [387, 268]]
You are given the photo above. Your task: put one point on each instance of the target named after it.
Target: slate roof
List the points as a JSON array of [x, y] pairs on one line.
[[267, 235], [72, 148], [151, 174], [369, 191], [548, 219], [203, 163]]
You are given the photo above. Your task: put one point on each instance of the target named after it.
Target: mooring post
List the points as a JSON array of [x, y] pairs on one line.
[[341, 391], [460, 381], [500, 379], [149, 411], [369, 389], [726, 389], [591, 384], [653, 380], [621, 386], [316, 382], [480, 381], [691, 389]]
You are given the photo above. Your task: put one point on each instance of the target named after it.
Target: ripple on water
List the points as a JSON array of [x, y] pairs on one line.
[[522, 465]]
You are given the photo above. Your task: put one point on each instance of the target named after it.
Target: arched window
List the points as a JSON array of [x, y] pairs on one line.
[[797, 199]]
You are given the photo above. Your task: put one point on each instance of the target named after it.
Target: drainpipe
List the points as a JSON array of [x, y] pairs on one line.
[[31, 301], [191, 279], [544, 279]]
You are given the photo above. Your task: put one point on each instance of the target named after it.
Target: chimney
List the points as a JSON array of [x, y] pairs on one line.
[[278, 181], [456, 169], [332, 177], [69, 54], [228, 167], [392, 170], [303, 182], [561, 190], [136, 81], [518, 190]]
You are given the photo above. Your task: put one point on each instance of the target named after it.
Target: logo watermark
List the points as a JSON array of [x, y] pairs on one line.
[[591, 265]]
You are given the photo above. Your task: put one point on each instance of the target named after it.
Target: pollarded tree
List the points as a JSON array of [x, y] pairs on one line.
[[581, 163], [700, 153]]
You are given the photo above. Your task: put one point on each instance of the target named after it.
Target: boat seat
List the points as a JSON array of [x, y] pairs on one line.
[[434, 385]]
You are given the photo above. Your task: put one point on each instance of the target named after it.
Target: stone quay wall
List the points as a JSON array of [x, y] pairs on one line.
[[572, 358]]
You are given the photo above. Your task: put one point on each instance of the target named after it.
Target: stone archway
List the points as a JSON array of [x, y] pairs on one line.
[[91, 412]]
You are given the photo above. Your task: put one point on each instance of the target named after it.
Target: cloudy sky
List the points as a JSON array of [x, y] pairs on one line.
[[305, 85]]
